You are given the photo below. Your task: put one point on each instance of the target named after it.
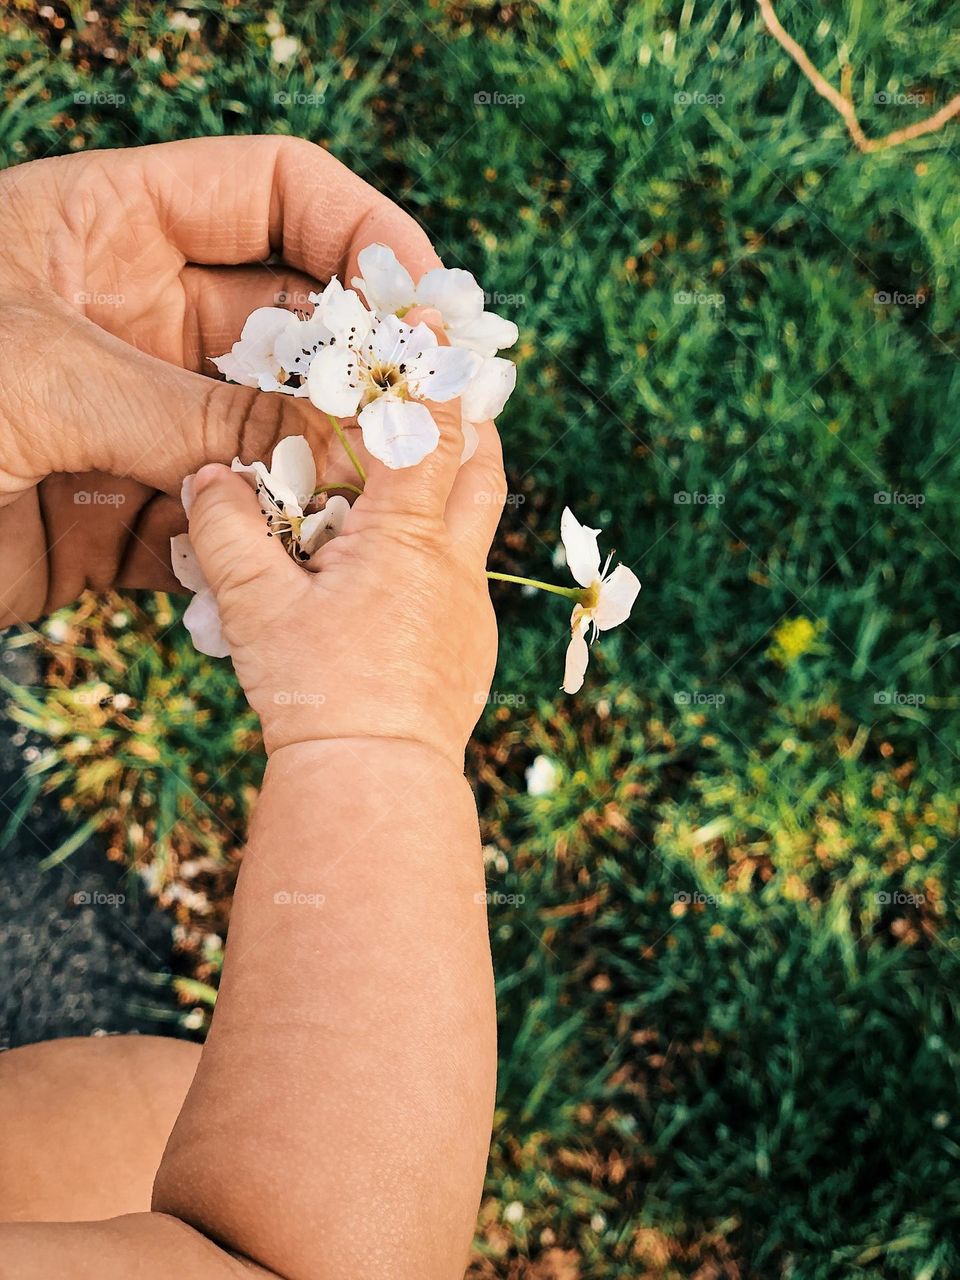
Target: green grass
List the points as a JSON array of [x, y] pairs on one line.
[[762, 1081]]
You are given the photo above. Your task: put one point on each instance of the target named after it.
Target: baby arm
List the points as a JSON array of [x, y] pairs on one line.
[[339, 1120]]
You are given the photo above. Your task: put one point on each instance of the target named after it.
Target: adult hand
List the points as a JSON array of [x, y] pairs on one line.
[[123, 272]]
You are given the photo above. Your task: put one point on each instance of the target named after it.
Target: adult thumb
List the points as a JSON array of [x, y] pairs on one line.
[[95, 403]]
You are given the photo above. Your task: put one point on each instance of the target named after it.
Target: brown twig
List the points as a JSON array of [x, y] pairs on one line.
[[842, 100]]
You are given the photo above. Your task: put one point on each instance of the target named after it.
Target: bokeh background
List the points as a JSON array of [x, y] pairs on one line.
[[724, 906]]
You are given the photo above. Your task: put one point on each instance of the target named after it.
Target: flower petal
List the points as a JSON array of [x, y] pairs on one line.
[[235, 367], [332, 382], [255, 473], [271, 384], [296, 346], [343, 314], [398, 432], [186, 566], [318, 529], [263, 325], [580, 544], [274, 497], [486, 333], [393, 342], [253, 354], [293, 469], [578, 655], [454, 293], [618, 593], [202, 620], [489, 389], [440, 373], [386, 285]]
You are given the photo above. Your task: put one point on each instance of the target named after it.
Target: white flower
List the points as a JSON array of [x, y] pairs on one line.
[[542, 776], [57, 630], [180, 21], [286, 489], [283, 48], [384, 369], [254, 355], [276, 347], [201, 617], [608, 601], [389, 289]]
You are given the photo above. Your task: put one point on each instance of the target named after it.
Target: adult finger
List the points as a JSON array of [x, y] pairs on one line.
[[75, 398], [219, 300], [146, 563], [241, 199]]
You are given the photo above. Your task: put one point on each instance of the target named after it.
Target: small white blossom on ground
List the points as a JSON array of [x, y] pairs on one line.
[[283, 48], [610, 599], [180, 21], [542, 776], [57, 630]]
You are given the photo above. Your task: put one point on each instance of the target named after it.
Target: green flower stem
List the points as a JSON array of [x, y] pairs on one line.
[[336, 484], [347, 448], [580, 594]]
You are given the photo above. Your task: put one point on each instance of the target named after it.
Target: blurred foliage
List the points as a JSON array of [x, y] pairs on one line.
[[727, 943]]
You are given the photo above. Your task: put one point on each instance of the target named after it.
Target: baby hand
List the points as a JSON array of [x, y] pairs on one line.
[[393, 634]]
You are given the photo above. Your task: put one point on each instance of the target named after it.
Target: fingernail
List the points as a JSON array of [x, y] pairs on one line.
[[429, 316], [187, 492], [205, 477]]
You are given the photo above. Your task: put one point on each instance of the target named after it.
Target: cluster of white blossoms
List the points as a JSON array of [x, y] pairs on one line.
[[355, 357]]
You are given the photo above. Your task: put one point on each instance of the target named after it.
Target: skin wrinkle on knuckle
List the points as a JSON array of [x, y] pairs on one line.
[[216, 407], [267, 422], [237, 421], [230, 582]]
